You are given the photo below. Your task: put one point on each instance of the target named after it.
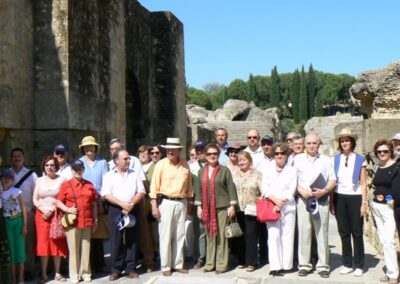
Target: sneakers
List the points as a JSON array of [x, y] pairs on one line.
[[346, 270], [358, 272]]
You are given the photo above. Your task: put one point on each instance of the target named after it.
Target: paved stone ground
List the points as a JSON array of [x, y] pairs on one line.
[[372, 272]]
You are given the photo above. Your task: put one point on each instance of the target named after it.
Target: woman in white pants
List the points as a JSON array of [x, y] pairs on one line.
[[386, 197], [279, 185]]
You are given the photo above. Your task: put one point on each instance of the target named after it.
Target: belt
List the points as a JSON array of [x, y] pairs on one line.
[[173, 198], [13, 217]]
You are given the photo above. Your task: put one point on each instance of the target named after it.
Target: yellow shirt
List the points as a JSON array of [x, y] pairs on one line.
[[174, 181]]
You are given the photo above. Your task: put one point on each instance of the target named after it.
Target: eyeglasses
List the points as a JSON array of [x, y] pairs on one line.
[[382, 152], [252, 137], [279, 153], [154, 153], [234, 151], [212, 154], [346, 161]]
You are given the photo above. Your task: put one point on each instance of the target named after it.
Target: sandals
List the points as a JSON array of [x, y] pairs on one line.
[[250, 268], [60, 278], [43, 280], [241, 266]]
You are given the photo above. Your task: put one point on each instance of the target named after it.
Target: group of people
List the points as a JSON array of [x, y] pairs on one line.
[[144, 205]]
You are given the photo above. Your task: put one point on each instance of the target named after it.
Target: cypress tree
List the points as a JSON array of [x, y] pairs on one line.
[[312, 90], [303, 104], [251, 92], [295, 95], [275, 90]]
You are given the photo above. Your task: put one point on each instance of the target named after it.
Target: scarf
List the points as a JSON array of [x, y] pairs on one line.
[[209, 217]]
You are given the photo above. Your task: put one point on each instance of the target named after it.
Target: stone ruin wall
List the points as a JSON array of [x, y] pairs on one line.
[[75, 68]]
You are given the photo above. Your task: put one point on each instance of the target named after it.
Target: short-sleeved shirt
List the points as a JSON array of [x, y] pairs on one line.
[[95, 173], [308, 169], [257, 156], [65, 171], [9, 198], [27, 187], [79, 194], [134, 164], [123, 187]]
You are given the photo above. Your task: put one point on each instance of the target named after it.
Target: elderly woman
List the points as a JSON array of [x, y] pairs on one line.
[[78, 196], [386, 197], [95, 168], [279, 185], [350, 201], [44, 199], [232, 152], [143, 153], [216, 200], [248, 186]]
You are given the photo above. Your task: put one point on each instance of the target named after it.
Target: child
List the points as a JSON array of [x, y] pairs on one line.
[[15, 219]]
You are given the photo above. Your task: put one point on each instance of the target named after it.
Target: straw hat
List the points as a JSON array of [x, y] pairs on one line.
[[346, 132], [172, 143], [87, 141]]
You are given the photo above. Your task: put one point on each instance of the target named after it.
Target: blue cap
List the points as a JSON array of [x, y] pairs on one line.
[[312, 206], [77, 164], [60, 148], [200, 144], [8, 172], [126, 221], [267, 139]]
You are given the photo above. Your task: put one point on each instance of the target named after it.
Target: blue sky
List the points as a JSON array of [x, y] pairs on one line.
[[229, 39]]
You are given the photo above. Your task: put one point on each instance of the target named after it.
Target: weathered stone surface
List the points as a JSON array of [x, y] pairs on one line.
[[325, 127], [74, 68], [237, 117], [377, 92]]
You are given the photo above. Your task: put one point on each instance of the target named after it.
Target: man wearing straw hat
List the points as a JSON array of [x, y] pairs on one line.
[[171, 193]]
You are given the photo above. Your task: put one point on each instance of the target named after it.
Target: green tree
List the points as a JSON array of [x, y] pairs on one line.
[[295, 96], [275, 88], [212, 87], [237, 89], [199, 98], [312, 90], [251, 92], [303, 104]]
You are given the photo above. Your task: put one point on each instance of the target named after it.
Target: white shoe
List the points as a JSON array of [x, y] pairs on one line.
[[358, 272], [345, 270]]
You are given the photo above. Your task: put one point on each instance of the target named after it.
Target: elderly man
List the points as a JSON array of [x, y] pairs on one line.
[[221, 137], [253, 147], [316, 179], [289, 139], [61, 154], [25, 180], [145, 242], [297, 148], [123, 189], [396, 145], [170, 192], [266, 144]]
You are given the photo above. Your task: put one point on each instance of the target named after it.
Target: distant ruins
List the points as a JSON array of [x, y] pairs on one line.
[[75, 68]]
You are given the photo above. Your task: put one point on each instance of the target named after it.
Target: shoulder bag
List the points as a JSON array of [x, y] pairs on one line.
[[68, 219], [56, 229]]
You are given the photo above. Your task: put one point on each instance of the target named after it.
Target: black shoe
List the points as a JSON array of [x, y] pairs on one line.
[[303, 272], [281, 272], [324, 274], [114, 276], [273, 272]]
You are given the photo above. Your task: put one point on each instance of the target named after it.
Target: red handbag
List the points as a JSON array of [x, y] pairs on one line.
[[265, 211], [56, 229]]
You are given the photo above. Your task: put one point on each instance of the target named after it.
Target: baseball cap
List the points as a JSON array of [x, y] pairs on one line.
[[8, 172], [312, 206], [60, 148], [77, 164], [126, 221], [396, 136], [200, 144]]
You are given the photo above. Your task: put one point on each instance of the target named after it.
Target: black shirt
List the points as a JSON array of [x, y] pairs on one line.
[[387, 182]]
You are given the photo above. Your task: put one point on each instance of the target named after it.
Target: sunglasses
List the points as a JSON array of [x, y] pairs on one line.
[[279, 153], [382, 152], [154, 153], [234, 151], [212, 154], [252, 137], [60, 153]]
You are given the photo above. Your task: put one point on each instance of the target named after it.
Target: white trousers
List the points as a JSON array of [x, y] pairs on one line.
[[171, 230], [280, 242], [320, 223], [386, 226]]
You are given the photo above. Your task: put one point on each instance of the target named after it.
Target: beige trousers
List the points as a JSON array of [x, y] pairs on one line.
[[217, 247], [171, 229], [79, 253]]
